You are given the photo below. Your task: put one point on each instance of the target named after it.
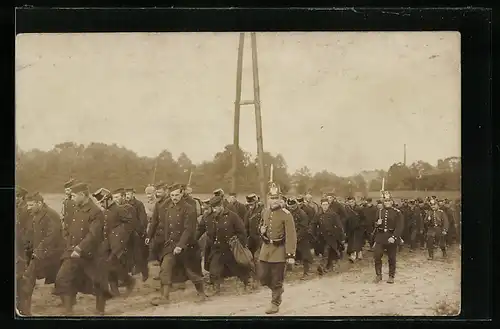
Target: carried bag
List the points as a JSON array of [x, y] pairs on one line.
[[242, 254]]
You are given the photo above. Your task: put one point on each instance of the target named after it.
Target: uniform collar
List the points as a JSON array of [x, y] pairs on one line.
[[87, 206]]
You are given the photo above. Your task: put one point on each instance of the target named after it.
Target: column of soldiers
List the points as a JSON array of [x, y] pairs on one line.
[[104, 238]]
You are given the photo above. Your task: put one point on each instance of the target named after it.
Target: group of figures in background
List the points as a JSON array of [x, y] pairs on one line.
[[103, 240]]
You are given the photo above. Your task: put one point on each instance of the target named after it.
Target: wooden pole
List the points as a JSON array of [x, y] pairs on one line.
[[258, 117], [237, 105]]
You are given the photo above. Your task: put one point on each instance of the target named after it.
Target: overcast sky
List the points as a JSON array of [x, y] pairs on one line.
[[343, 102]]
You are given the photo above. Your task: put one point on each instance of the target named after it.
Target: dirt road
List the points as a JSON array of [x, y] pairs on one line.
[[420, 287]]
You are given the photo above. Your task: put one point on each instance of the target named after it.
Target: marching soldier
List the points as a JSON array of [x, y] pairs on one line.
[[415, 224], [180, 249], [118, 226], [329, 228], [303, 227], [388, 229], [312, 204], [23, 249], [220, 192], [139, 251], [279, 239], [235, 206], [354, 230], [68, 205], [47, 246], [369, 215], [157, 236], [220, 227], [338, 208], [437, 228], [252, 221], [81, 270]]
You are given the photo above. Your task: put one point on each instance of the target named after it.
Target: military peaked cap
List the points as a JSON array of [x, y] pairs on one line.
[[176, 186], [130, 189], [216, 200], [21, 192], [323, 200], [34, 197], [70, 183], [218, 191], [251, 198], [79, 187]]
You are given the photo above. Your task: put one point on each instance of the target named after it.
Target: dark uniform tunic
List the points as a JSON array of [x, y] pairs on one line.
[[157, 235], [137, 250], [179, 228], [303, 228], [88, 273], [390, 223], [68, 209], [415, 225], [218, 256], [437, 227], [354, 229], [329, 228], [369, 217], [451, 237], [279, 242], [238, 208], [252, 220], [336, 207]]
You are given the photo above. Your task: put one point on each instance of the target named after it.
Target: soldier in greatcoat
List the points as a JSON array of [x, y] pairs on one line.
[[354, 230], [279, 245], [82, 269], [437, 228], [414, 221], [220, 192], [180, 249], [139, 251], [388, 229], [252, 221], [338, 208], [220, 227], [369, 215], [235, 206], [329, 228], [422, 236], [157, 220], [68, 205], [304, 233], [47, 245], [118, 226], [23, 247]]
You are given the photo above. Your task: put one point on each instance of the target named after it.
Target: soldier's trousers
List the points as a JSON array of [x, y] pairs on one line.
[[378, 252], [304, 253], [272, 276], [74, 275], [169, 262], [330, 254], [435, 238], [22, 297], [414, 232], [355, 241], [219, 263]]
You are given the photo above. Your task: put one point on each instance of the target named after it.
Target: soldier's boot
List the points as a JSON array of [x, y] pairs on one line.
[[164, 297], [100, 304], [145, 273], [305, 273], [200, 288], [352, 257], [130, 284], [273, 308], [321, 270], [113, 288], [391, 279], [378, 278], [67, 304], [359, 255], [217, 288], [431, 254], [445, 255]]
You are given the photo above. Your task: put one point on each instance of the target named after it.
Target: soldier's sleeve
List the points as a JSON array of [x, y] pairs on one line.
[[246, 223], [189, 231], [399, 223], [154, 221], [53, 225], [201, 228], [290, 235], [239, 229], [446, 223], [303, 228], [143, 216], [313, 225], [338, 222], [95, 233]]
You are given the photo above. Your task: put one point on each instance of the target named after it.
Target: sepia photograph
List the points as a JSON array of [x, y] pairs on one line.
[[238, 174]]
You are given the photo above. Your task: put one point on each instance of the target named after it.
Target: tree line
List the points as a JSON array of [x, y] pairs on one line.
[[112, 166]]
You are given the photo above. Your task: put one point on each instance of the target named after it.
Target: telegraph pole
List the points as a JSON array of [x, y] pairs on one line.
[[237, 106], [258, 118]]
